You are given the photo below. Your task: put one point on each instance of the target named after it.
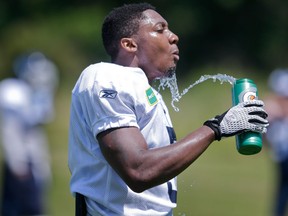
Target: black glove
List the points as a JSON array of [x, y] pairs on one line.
[[246, 116]]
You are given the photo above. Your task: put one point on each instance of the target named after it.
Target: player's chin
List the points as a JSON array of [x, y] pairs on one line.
[[170, 72]]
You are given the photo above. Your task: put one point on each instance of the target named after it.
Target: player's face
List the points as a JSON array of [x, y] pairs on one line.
[[157, 50]]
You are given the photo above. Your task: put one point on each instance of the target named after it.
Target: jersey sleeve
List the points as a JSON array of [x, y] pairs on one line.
[[114, 107], [108, 97], [112, 100]]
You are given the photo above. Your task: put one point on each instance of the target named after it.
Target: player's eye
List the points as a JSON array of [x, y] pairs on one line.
[[160, 27]]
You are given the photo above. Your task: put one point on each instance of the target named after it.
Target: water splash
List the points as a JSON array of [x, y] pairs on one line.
[[171, 83]]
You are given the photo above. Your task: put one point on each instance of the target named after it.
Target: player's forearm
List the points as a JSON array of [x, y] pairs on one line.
[[160, 165]]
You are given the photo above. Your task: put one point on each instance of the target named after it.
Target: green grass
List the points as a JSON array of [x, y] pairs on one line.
[[221, 182], [61, 203]]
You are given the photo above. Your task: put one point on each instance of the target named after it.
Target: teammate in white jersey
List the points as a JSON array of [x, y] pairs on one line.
[[123, 153], [26, 104]]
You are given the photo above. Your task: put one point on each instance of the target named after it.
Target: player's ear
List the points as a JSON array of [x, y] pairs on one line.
[[128, 44]]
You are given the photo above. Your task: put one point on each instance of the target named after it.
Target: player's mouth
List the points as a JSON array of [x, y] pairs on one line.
[[176, 55]]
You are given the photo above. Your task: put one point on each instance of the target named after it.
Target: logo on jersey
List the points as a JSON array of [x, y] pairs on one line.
[[108, 93], [152, 99]]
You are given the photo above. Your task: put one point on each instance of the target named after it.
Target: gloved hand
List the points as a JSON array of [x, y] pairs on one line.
[[246, 116]]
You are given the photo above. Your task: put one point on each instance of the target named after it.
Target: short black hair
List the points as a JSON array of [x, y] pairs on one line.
[[122, 22]]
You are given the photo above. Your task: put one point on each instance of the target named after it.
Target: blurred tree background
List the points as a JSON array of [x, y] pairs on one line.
[[237, 37], [249, 34]]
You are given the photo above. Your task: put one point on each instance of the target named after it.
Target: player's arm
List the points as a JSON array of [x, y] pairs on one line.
[[141, 168]]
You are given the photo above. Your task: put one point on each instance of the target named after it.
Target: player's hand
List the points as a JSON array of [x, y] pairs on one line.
[[246, 116]]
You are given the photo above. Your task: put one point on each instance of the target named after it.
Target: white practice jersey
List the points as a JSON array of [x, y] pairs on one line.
[[111, 96]]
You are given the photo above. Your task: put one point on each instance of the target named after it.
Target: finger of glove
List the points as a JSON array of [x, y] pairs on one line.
[[255, 111], [258, 128], [244, 112], [262, 113], [258, 114], [257, 120], [250, 103]]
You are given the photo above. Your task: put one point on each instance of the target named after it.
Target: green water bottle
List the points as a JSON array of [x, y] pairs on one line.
[[247, 143]]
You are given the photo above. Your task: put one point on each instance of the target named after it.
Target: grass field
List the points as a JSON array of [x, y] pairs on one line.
[[220, 183]]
